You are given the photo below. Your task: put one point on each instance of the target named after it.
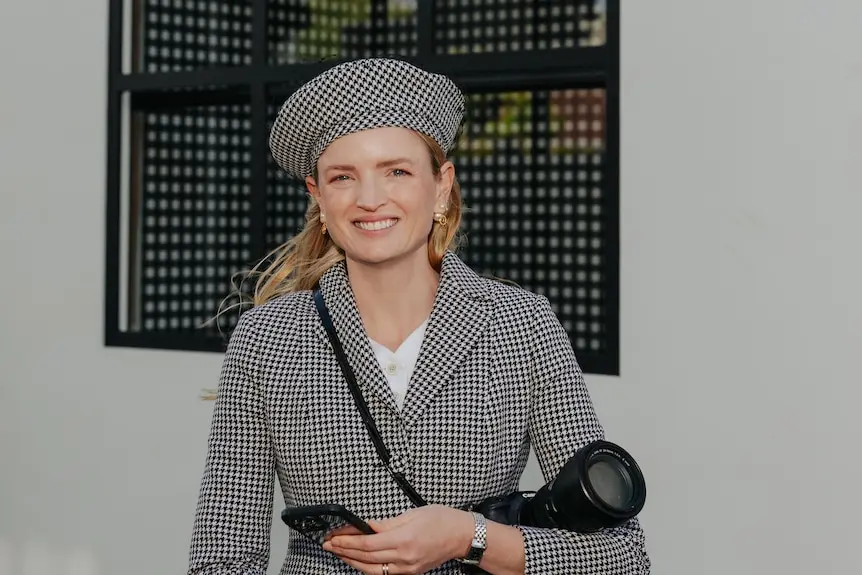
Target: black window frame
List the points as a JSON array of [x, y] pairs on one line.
[[578, 67]]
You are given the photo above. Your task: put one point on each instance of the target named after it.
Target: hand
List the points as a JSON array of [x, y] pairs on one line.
[[414, 542]]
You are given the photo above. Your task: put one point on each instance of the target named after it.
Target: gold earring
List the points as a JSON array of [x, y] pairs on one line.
[[441, 219], [322, 226]]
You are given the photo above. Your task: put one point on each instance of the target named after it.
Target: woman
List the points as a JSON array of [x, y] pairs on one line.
[[461, 374]]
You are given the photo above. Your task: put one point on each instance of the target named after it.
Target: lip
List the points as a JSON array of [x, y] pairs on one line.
[[372, 219], [366, 221]]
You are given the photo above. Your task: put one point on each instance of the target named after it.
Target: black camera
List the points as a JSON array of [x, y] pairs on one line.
[[600, 486]]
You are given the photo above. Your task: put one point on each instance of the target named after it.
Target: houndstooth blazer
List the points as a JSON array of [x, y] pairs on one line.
[[496, 374]]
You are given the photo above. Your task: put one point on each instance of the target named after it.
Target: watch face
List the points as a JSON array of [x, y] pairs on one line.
[[474, 555]]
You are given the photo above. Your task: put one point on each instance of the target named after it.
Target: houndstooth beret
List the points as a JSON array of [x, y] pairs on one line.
[[360, 95]]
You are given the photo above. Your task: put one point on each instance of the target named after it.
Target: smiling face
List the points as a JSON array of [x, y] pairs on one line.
[[378, 193]]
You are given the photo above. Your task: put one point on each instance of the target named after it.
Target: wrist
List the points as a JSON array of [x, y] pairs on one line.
[[477, 537], [465, 532]]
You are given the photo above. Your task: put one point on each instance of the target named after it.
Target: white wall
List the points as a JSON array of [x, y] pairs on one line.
[[740, 301]]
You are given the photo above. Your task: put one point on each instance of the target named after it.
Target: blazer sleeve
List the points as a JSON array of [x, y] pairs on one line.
[[562, 420], [233, 519]]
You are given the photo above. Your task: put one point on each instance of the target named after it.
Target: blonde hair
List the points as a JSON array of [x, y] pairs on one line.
[[300, 262]]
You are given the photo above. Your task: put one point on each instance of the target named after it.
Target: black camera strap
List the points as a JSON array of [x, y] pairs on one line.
[[376, 438]]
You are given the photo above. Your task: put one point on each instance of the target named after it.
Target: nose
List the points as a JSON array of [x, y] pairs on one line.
[[372, 194]]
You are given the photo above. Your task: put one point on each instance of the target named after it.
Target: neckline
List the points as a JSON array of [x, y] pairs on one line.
[[408, 341]]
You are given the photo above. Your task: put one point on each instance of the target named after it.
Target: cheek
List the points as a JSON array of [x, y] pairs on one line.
[[417, 200], [333, 203]]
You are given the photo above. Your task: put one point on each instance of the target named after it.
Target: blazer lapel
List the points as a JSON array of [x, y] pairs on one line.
[[339, 300], [459, 317]]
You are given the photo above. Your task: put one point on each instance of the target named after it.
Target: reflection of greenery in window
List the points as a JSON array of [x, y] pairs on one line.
[[401, 9], [519, 25], [575, 117], [593, 27], [327, 19], [333, 23], [575, 122]]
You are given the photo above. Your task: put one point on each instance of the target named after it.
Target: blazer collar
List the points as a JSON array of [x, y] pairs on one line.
[[458, 317]]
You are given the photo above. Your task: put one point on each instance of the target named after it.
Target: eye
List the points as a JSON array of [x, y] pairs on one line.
[[399, 172], [340, 178]]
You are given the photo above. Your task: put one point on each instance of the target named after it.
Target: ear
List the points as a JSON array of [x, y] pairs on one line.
[[311, 184], [444, 183]]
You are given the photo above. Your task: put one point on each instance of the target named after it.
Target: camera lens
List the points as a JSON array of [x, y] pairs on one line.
[[600, 486], [611, 481], [312, 524]]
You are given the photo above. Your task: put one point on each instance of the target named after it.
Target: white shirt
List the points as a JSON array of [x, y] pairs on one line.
[[398, 366]]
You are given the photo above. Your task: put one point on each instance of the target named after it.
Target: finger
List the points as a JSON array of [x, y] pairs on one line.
[[371, 568], [368, 557], [378, 542], [343, 530], [376, 557]]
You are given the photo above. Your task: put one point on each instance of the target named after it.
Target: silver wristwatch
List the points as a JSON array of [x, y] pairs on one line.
[[480, 541]]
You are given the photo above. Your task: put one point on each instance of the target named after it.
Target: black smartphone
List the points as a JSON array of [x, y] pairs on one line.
[[315, 521]]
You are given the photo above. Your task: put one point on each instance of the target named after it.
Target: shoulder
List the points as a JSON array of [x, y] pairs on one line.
[[278, 318], [285, 308], [513, 304], [509, 295], [510, 301]]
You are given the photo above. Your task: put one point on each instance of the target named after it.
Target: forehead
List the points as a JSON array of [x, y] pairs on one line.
[[375, 144]]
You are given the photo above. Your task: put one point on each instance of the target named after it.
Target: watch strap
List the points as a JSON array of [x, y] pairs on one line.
[[480, 540]]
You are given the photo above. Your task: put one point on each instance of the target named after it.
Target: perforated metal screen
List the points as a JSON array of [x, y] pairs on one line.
[[300, 31], [536, 164], [471, 26], [186, 34], [532, 167], [194, 219]]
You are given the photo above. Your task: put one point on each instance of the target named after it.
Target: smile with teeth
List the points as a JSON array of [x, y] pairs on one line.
[[376, 226]]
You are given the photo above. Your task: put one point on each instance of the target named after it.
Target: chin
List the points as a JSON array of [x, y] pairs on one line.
[[381, 255], [375, 258]]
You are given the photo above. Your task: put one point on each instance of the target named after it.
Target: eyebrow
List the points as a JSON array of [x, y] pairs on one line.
[[383, 164]]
